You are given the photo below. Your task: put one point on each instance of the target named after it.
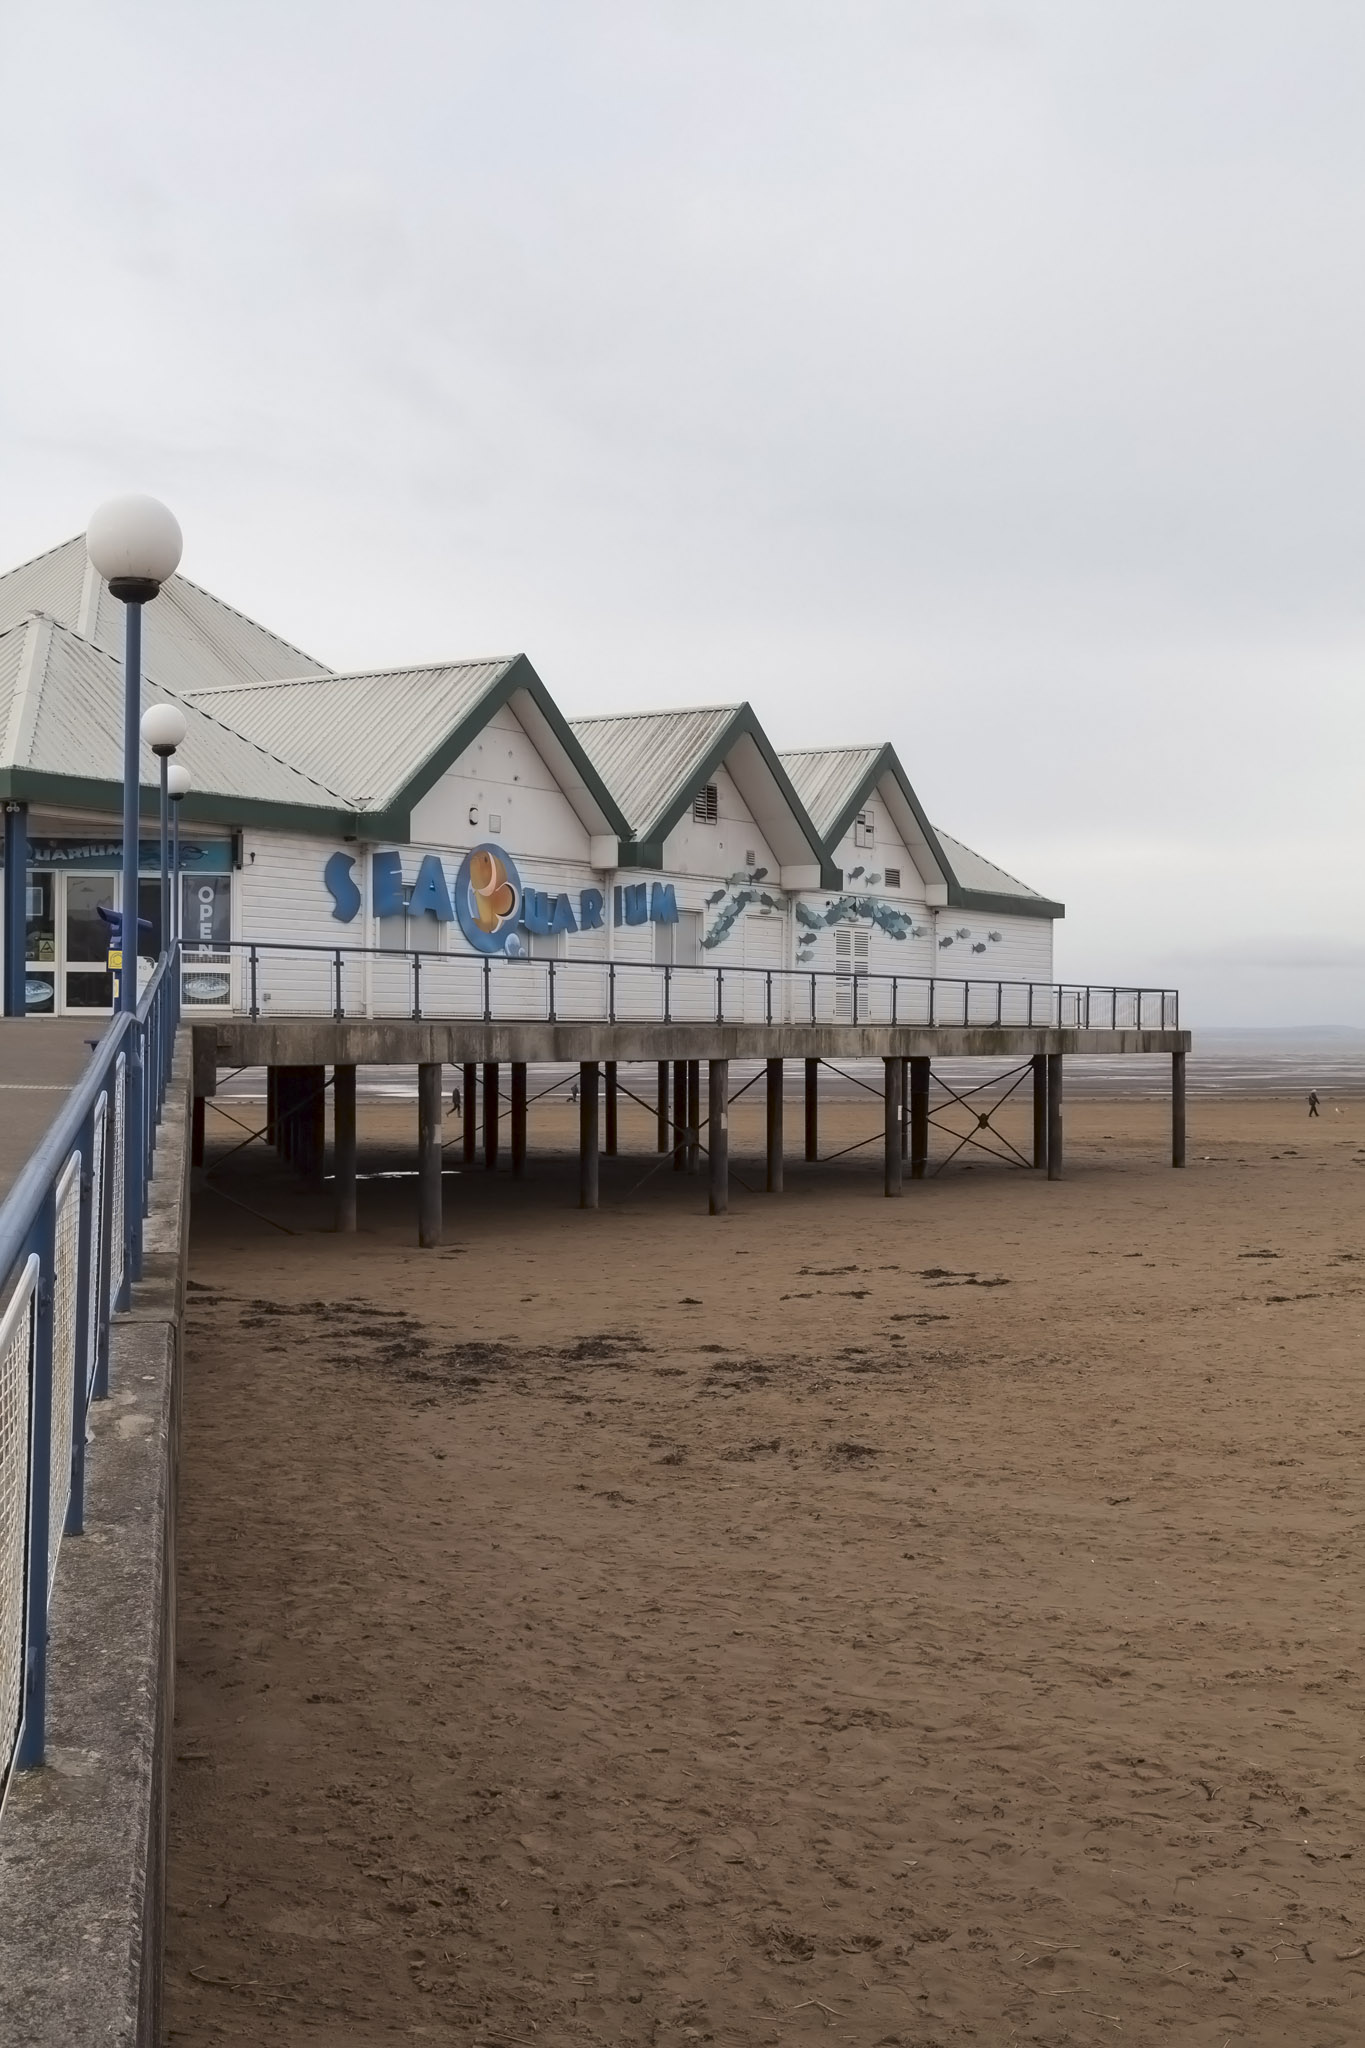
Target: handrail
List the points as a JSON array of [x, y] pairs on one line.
[[70, 1250], [950, 1000]]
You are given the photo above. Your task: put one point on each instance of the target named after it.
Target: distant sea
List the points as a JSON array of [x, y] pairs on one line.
[[1240, 1061]]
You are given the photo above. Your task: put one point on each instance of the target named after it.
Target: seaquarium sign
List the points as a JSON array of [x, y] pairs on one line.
[[489, 901]]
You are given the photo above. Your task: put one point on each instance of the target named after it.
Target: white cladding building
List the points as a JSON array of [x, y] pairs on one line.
[[453, 809]]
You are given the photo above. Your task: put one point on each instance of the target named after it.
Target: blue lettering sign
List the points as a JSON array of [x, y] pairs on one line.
[[387, 884], [535, 911], [341, 888], [430, 896], [636, 903], [562, 918], [489, 901]]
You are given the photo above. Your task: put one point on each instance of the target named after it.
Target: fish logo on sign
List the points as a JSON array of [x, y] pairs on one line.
[[488, 900]]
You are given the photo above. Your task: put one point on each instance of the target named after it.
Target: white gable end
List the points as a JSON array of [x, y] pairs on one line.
[[733, 843], [503, 780], [888, 867]]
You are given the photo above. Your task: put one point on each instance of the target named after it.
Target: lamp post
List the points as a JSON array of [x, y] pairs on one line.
[[178, 782], [163, 728], [134, 544]]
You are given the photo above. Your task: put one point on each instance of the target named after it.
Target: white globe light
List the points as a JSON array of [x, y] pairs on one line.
[[179, 781], [134, 541], [163, 728]]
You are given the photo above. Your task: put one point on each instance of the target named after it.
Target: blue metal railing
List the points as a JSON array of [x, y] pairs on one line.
[[295, 978], [70, 1250]]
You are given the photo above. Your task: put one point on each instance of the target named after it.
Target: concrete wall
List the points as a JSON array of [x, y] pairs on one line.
[[83, 1841]]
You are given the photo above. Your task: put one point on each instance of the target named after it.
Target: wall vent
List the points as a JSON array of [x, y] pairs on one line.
[[705, 805]]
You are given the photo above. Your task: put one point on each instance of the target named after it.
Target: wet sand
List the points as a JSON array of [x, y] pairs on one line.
[[921, 1621]]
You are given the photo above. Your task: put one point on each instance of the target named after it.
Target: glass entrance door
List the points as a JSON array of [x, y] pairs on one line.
[[40, 943], [87, 983]]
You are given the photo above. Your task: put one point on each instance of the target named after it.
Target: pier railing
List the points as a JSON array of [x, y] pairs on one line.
[[70, 1249], [264, 978]]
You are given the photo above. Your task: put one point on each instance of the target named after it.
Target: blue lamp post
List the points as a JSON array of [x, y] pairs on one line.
[[134, 543], [178, 782], [163, 728]]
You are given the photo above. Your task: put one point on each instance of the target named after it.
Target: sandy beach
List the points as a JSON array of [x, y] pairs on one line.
[[911, 1622]]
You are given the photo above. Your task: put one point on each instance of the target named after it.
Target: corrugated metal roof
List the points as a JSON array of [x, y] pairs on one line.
[[647, 757], [974, 871], [72, 725], [827, 778], [50, 583], [11, 654], [365, 735], [189, 638]]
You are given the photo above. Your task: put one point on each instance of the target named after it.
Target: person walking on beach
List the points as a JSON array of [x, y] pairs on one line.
[[1312, 1102]]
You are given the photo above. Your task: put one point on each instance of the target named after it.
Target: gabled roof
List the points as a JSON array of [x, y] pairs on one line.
[[61, 741], [978, 876], [836, 782], [384, 737], [656, 761], [189, 638], [832, 782]]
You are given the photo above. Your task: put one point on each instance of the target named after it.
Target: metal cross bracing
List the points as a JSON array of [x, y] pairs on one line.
[[981, 1118], [859, 1144]]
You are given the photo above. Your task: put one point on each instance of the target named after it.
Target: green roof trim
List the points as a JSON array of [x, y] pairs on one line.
[[394, 821], [648, 850], [517, 677], [995, 902], [207, 807]]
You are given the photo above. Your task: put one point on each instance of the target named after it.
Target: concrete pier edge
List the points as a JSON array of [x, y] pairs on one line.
[[83, 1840]]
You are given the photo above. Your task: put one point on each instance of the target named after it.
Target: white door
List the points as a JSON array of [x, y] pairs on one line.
[[764, 952]]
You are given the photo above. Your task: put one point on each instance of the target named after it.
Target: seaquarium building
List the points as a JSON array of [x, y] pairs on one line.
[[414, 841]]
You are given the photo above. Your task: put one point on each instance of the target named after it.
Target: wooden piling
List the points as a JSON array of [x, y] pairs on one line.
[[775, 1074], [343, 1147], [587, 1134], [430, 1107]]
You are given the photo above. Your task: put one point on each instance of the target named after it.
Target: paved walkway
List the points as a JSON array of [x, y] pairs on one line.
[[40, 1059]]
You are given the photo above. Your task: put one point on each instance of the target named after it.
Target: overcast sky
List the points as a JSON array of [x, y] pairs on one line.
[[987, 377]]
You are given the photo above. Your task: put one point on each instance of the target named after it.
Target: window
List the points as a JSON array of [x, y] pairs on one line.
[[404, 933], [865, 828], [851, 951], [678, 945], [705, 807], [545, 945], [893, 878]]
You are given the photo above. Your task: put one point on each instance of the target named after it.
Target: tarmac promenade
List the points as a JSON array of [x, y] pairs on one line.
[[40, 1060]]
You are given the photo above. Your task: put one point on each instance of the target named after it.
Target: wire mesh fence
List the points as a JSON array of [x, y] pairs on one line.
[[70, 1248], [119, 1177], [16, 1375], [98, 1197], [65, 1282]]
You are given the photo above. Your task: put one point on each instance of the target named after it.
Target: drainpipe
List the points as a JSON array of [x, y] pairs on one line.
[[16, 909]]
